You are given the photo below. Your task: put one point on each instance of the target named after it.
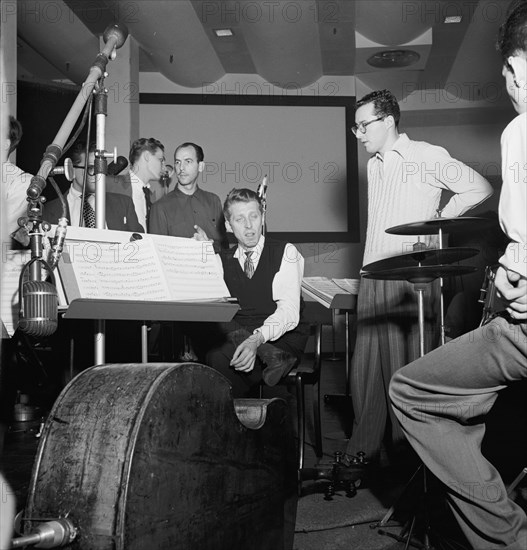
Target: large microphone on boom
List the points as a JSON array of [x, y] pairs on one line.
[[38, 315]]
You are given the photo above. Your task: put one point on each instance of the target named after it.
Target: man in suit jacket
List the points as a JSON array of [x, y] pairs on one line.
[[147, 161], [120, 212]]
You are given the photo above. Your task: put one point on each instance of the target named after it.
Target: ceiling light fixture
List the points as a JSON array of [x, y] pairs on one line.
[[223, 32], [393, 59], [453, 19]]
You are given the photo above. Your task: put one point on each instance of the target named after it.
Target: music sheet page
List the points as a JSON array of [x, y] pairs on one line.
[[127, 271], [191, 269]]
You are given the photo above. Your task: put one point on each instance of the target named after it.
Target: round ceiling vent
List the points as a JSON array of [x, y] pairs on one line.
[[393, 59]]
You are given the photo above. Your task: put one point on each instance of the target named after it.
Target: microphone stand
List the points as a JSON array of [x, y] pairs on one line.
[[114, 36]]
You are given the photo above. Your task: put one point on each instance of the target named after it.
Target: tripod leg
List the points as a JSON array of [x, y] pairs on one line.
[[390, 512]]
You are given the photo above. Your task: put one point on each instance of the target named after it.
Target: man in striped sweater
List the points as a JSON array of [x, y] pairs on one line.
[[405, 181]]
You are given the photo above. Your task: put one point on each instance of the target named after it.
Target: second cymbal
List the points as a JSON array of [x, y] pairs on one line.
[[428, 256], [420, 274], [446, 225]]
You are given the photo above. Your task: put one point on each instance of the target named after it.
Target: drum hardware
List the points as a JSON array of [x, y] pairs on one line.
[[49, 534], [489, 297], [435, 226], [424, 257], [338, 475], [439, 226]]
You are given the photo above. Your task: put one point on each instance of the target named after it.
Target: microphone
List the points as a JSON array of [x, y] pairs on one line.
[[116, 35], [118, 166], [38, 304], [262, 189], [67, 170]]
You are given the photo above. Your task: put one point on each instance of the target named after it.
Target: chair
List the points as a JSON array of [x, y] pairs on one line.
[[299, 376]]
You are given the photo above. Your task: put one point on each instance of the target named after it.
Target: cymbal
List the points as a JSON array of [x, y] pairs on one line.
[[447, 225], [428, 256], [420, 274]]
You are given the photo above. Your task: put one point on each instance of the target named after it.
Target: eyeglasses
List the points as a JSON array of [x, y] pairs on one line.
[[363, 126], [91, 169]]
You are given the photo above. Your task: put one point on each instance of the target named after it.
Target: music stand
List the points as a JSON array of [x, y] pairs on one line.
[[420, 276]]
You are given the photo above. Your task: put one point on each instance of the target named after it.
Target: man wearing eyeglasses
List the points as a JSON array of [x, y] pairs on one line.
[[405, 181], [120, 211]]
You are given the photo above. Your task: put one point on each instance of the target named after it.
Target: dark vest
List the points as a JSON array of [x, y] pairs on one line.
[[255, 295]]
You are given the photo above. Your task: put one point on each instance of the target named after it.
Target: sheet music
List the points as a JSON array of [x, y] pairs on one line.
[[348, 285], [191, 269], [154, 268], [127, 271], [325, 289]]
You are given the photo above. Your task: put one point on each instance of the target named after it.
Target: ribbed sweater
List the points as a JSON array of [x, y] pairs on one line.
[[405, 186]]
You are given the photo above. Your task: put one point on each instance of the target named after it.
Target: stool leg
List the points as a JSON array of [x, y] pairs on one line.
[[316, 390], [301, 420], [317, 420]]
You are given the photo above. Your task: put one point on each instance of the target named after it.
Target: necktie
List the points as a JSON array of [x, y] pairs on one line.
[[148, 200], [248, 266], [88, 213]]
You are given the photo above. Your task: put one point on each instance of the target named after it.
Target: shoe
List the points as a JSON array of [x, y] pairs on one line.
[[278, 364]]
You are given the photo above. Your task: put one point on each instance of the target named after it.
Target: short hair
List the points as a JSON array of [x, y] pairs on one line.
[[384, 103], [240, 195], [512, 36], [199, 150], [15, 134], [144, 144], [79, 148]]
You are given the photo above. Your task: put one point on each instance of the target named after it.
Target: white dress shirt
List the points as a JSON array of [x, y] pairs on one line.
[[513, 198], [138, 197], [75, 205]]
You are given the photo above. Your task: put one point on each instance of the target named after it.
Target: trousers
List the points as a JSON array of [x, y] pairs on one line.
[[441, 401], [387, 339]]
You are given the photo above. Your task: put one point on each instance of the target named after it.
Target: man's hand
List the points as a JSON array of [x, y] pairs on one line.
[[200, 235], [512, 289], [245, 354]]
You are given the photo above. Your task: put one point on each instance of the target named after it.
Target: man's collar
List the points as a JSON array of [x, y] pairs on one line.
[[134, 178], [258, 249], [400, 146], [178, 188], [75, 192]]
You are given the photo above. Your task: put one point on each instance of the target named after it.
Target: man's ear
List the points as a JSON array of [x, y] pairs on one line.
[[201, 166], [389, 121], [228, 227]]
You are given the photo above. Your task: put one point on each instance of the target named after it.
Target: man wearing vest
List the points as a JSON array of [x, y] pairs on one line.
[[267, 335]]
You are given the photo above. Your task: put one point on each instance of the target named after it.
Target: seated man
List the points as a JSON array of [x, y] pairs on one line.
[[266, 276], [441, 399]]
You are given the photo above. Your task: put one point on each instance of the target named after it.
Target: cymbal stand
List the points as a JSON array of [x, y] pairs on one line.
[[405, 535], [441, 297]]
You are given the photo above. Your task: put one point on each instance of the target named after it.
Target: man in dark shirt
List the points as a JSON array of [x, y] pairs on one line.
[[189, 210]]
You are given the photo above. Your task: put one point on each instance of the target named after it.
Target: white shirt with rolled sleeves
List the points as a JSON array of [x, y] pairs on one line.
[[513, 197], [15, 183], [287, 288]]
